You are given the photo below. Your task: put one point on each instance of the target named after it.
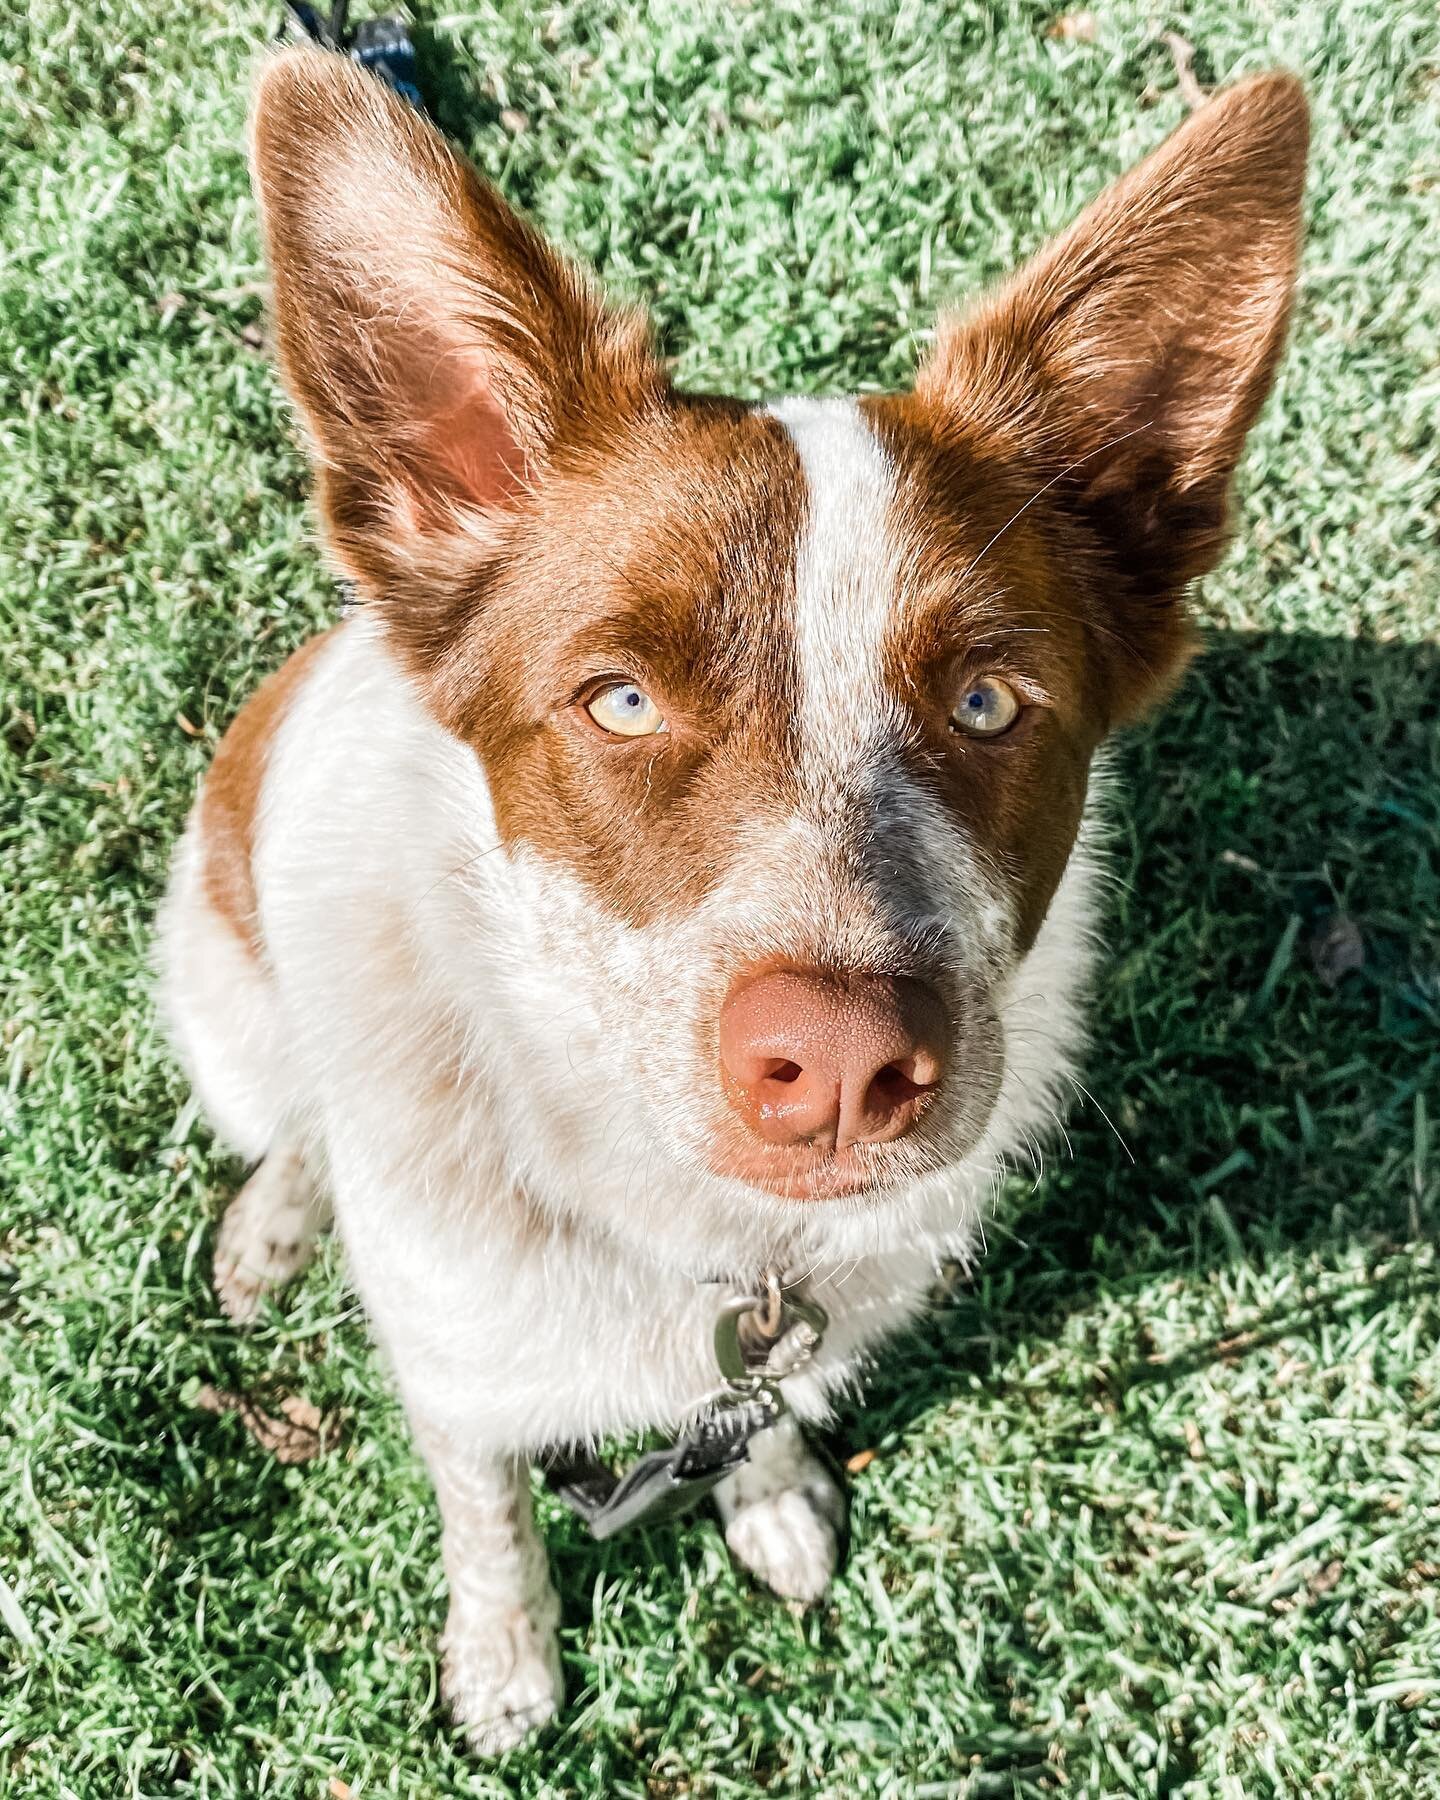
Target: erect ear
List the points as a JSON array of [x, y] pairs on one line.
[[436, 346], [1126, 363]]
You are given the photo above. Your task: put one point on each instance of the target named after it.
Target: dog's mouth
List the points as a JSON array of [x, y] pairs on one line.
[[937, 1132], [807, 1173]]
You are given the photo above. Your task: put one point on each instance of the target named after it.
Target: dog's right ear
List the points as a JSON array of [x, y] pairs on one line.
[[437, 347], [1123, 367]]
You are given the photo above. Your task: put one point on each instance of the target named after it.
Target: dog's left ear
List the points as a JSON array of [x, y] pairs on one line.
[[1126, 363]]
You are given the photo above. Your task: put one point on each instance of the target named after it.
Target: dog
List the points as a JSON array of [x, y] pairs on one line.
[[667, 902]]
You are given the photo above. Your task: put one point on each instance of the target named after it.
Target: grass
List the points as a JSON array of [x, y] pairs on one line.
[[1155, 1502]]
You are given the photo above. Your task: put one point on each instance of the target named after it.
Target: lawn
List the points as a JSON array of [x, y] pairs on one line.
[[1153, 1504]]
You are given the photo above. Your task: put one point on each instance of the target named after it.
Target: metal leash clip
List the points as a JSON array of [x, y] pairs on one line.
[[759, 1340]]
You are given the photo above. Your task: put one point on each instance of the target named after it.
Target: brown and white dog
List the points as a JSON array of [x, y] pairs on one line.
[[683, 863]]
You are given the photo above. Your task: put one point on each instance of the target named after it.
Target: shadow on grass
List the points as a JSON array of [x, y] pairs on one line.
[[1278, 822]]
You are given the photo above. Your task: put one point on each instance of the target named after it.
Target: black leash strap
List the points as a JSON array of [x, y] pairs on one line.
[[664, 1482], [383, 46]]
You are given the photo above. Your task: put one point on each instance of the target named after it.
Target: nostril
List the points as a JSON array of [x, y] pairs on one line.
[[892, 1086], [785, 1072]]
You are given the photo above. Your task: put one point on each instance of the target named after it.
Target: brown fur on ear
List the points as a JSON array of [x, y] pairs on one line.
[[1128, 360], [437, 347]]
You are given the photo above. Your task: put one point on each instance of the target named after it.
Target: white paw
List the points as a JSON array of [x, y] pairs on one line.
[[502, 1680], [784, 1515], [267, 1235], [788, 1542]]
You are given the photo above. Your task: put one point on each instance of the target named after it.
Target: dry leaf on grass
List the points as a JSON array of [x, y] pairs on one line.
[[296, 1432], [1075, 28], [862, 1459], [1327, 1579]]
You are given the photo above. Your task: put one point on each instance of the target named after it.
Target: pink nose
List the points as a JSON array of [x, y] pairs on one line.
[[831, 1060]]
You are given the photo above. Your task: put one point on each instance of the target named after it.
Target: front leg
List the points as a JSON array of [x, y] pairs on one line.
[[501, 1669], [784, 1514]]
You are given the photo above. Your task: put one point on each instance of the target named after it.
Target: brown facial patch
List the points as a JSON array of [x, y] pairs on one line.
[[504, 467], [993, 583], [669, 562], [230, 801]]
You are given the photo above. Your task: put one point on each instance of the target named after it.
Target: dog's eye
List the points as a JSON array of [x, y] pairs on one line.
[[625, 710], [987, 707]]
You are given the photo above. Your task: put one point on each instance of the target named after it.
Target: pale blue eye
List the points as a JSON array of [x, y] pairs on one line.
[[625, 710], [986, 708]]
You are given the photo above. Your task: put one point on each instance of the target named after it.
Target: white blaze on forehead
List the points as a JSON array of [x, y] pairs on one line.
[[847, 600], [846, 578]]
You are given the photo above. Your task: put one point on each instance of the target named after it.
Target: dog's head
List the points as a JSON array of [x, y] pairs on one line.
[[786, 712]]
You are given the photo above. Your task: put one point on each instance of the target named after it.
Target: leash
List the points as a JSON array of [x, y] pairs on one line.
[[383, 46], [760, 1339]]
